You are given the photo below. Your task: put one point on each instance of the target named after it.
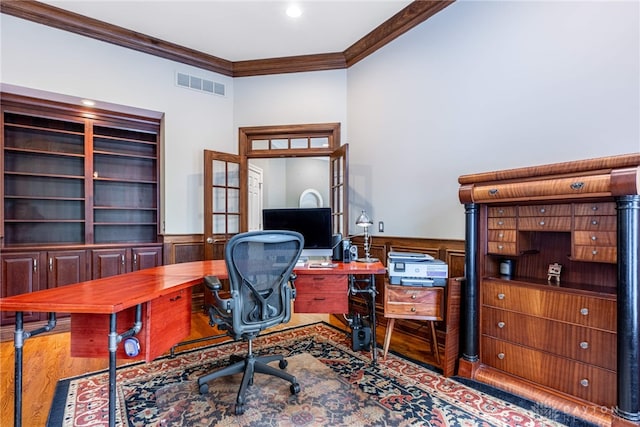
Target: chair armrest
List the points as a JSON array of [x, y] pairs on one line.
[[213, 283], [292, 280]]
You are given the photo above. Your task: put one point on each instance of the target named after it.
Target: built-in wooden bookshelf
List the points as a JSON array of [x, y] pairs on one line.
[[80, 194]]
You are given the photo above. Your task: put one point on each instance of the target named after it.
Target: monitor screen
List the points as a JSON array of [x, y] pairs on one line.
[[313, 223]]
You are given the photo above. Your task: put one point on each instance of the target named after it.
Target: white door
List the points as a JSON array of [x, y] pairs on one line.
[[255, 198]]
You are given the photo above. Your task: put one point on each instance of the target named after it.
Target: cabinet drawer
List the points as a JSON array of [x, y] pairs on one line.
[[600, 223], [587, 345], [559, 188], [322, 294], [578, 379], [414, 302], [501, 211], [544, 210], [596, 253], [502, 236], [554, 304], [501, 223], [550, 223], [595, 238], [502, 248], [581, 209]]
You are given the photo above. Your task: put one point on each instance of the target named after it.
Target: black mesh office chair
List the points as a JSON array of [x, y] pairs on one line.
[[260, 267]]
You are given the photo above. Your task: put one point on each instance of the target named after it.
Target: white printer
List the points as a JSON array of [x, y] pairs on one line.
[[416, 269]]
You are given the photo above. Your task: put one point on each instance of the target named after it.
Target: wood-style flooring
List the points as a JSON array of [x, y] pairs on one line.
[[47, 360]]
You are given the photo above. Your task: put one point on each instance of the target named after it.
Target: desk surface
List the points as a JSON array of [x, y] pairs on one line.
[[116, 293]]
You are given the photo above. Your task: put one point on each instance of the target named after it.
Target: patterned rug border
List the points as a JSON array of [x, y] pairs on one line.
[[58, 405]]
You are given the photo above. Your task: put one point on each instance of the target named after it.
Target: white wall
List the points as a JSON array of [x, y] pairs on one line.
[[43, 58], [484, 86]]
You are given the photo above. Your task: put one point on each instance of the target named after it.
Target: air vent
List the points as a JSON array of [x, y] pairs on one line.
[[197, 83]]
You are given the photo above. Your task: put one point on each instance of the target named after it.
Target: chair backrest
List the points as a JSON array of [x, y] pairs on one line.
[[260, 266]]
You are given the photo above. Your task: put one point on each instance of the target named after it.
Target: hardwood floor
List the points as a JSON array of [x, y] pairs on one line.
[[47, 360]]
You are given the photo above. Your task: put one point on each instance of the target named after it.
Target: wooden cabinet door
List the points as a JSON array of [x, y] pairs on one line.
[[66, 267], [20, 274], [142, 258], [108, 262]]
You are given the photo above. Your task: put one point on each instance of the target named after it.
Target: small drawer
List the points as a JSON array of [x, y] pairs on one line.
[[607, 254], [551, 223], [594, 238], [501, 223], [582, 209], [502, 248], [414, 302], [600, 223], [545, 210], [501, 211], [502, 236]]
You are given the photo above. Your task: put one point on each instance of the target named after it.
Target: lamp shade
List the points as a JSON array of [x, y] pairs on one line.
[[364, 220]]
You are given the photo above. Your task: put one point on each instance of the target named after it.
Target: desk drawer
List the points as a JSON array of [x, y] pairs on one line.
[[549, 223], [322, 294]]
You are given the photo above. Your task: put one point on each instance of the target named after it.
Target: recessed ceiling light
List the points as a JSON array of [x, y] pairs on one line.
[[88, 102], [294, 11]]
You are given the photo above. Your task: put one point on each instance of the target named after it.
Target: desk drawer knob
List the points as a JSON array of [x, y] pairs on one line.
[[594, 238], [542, 210], [500, 356], [501, 325], [541, 223], [594, 252], [594, 222], [501, 296], [413, 296], [413, 309], [584, 311], [584, 382], [584, 345]]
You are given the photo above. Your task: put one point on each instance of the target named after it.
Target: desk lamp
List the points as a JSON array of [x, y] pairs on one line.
[[365, 222]]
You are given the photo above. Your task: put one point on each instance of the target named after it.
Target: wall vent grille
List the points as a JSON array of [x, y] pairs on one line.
[[197, 83]]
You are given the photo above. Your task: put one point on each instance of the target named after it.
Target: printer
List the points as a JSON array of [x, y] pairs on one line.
[[416, 269]]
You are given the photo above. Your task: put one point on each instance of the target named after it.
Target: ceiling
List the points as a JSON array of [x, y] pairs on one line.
[[244, 30], [238, 38]]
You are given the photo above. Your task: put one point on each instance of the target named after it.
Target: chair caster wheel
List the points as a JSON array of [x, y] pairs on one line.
[[204, 388], [295, 388], [240, 409], [283, 364]]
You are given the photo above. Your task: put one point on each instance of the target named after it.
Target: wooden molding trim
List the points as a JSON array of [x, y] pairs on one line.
[[99, 30], [412, 15]]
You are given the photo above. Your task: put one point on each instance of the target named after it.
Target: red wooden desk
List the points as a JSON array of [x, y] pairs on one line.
[[127, 304]]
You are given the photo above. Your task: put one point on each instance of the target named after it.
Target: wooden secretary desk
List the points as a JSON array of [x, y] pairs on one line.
[[571, 343]]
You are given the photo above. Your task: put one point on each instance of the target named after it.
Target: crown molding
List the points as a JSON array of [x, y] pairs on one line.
[[412, 15]]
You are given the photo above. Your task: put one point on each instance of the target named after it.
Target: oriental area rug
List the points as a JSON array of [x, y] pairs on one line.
[[339, 387]]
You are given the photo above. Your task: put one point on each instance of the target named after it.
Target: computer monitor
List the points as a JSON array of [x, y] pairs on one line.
[[313, 223]]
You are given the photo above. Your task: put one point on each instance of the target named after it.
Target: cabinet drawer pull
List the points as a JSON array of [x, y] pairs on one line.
[[500, 211], [584, 311], [541, 222], [413, 296], [594, 208], [500, 247], [500, 325], [577, 185], [594, 252], [176, 298], [584, 345], [501, 235], [493, 191], [501, 296], [413, 309], [584, 382], [500, 356], [542, 210], [594, 238], [594, 222], [500, 222]]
